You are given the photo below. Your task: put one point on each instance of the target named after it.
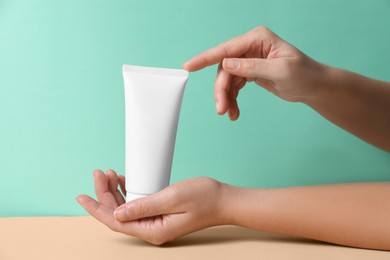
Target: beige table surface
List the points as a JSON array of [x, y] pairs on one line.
[[84, 238]]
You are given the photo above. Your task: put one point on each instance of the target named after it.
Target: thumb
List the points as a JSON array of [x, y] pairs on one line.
[[142, 208], [250, 68]]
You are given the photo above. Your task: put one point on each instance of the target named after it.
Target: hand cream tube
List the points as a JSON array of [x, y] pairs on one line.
[[153, 98]]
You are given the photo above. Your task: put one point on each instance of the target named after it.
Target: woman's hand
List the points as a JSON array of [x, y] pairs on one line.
[[356, 103], [259, 56], [347, 214], [177, 210]]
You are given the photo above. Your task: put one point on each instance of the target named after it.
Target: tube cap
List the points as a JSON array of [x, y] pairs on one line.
[[133, 196]]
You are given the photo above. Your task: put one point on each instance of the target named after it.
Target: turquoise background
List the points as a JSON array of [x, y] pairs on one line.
[[62, 102]]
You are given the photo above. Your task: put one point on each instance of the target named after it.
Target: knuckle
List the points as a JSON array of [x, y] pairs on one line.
[[173, 197], [288, 67], [208, 182], [249, 68], [141, 210], [249, 64], [261, 29], [173, 194], [285, 67], [252, 64]]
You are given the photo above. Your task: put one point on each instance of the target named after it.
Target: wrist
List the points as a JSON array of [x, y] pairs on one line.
[[227, 210], [242, 206], [324, 84]]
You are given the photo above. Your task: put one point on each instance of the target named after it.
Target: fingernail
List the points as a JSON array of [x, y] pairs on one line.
[[231, 64], [185, 65], [230, 114], [218, 106], [121, 214], [79, 199]]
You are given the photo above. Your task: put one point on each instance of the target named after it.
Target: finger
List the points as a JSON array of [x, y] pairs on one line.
[[251, 68], [237, 80], [221, 90], [160, 203], [122, 184], [236, 84], [155, 230], [258, 42], [112, 178], [163, 228], [144, 229], [232, 48], [99, 211], [239, 83], [233, 107], [102, 191]]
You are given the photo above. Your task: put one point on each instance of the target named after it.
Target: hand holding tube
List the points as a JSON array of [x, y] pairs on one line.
[[348, 214], [177, 210]]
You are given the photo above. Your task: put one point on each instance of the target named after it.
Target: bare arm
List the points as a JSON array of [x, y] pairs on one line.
[[355, 215], [349, 214], [356, 103]]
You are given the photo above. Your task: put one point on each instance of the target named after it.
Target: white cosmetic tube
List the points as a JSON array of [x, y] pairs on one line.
[[153, 98]]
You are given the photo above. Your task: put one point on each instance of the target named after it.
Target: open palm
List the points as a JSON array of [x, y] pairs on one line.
[[179, 209]]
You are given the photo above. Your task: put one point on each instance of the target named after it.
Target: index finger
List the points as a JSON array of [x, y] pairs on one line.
[[235, 47]]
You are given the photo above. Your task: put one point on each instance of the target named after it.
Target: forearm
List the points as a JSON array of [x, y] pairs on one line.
[[355, 215], [356, 103]]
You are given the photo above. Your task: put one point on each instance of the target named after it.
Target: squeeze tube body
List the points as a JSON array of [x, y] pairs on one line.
[[153, 98]]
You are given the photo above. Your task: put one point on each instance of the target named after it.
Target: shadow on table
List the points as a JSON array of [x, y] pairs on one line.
[[226, 234]]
